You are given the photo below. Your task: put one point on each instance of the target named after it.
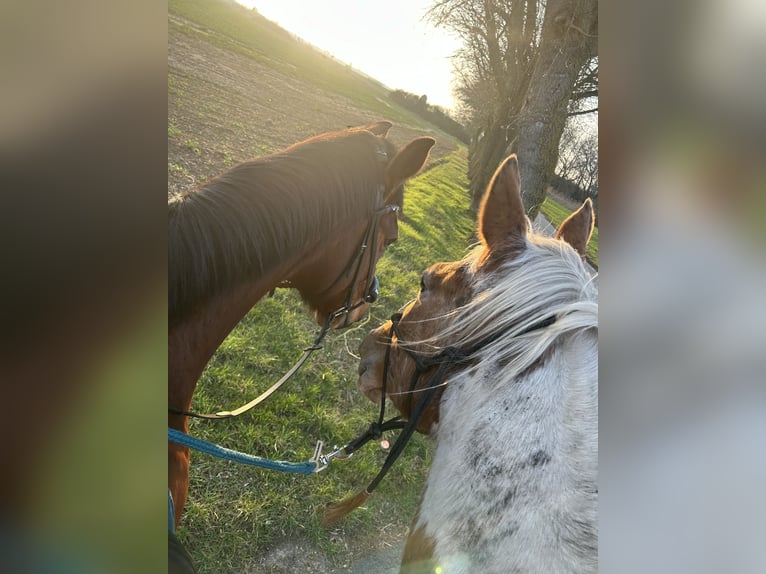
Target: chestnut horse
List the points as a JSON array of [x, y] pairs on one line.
[[505, 341], [315, 217]]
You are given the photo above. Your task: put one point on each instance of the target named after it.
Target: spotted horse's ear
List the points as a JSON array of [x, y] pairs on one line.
[[502, 220], [578, 227]]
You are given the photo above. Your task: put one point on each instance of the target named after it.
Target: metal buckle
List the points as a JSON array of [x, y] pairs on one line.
[[390, 208], [323, 460], [337, 313]]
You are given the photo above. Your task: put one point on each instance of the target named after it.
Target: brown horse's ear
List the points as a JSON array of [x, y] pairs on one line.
[[578, 227], [408, 162], [379, 128], [502, 220]]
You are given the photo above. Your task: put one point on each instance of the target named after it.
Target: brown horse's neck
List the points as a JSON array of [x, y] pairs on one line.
[[193, 342]]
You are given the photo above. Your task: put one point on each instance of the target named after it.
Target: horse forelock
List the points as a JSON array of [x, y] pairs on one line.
[[246, 221]]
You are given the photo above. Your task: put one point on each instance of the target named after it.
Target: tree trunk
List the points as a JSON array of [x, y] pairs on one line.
[[568, 41], [484, 157]]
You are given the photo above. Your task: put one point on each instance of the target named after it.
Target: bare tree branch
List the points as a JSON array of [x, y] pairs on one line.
[[502, 41], [585, 94], [582, 113]]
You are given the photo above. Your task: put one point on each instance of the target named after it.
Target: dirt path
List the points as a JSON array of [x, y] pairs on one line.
[[298, 555]]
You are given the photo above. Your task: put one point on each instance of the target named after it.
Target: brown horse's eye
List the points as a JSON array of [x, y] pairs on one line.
[[422, 284]]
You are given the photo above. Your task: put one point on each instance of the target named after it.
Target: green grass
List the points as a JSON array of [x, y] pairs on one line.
[[235, 512], [246, 32], [556, 213]]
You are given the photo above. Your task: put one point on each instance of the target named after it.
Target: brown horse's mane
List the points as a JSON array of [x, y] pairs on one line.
[[246, 221]]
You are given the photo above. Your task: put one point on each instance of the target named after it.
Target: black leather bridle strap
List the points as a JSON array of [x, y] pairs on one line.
[[415, 415], [367, 245], [408, 427], [377, 428]]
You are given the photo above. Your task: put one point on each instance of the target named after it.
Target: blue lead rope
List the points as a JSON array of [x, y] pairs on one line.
[[178, 437]]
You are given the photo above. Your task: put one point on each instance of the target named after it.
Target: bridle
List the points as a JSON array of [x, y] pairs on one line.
[[444, 361], [371, 283], [370, 296]]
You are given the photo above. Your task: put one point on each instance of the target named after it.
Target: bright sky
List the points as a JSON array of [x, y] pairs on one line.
[[386, 40]]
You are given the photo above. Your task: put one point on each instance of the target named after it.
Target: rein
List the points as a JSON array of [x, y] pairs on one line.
[[267, 393], [370, 296]]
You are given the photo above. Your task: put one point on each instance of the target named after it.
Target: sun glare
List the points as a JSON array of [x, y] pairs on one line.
[[390, 43]]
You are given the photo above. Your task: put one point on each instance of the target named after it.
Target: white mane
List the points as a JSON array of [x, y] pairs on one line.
[[512, 486], [548, 279]]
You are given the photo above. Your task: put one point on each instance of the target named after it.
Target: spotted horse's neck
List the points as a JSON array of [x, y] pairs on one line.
[[514, 489]]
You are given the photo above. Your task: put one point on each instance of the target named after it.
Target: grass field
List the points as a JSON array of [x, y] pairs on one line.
[[236, 514]]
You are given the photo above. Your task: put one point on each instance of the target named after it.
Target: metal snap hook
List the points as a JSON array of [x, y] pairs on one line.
[[323, 460]]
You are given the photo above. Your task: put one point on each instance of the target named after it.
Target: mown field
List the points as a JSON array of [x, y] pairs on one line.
[[239, 87], [247, 33]]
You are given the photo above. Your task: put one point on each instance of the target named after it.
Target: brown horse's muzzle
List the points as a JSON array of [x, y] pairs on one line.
[[358, 310], [373, 355], [347, 319]]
